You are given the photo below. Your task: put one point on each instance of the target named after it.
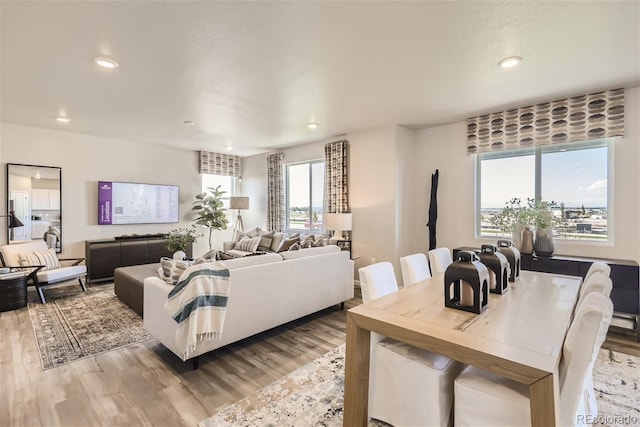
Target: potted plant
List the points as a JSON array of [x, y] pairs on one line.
[[513, 218], [179, 240], [516, 217], [211, 214]]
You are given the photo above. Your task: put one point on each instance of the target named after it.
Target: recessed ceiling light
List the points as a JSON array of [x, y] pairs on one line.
[[510, 61], [228, 146], [103, 62], [312, 125], [63, 119], [189, 123]]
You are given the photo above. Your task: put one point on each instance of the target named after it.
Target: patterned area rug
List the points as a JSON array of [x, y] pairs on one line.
[[83, 325], [313, 395]]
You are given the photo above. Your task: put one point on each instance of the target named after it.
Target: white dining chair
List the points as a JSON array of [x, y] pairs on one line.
[[597, 282], [439, 260], [408, 386], [415, 268], [598, 267], [486, 399]]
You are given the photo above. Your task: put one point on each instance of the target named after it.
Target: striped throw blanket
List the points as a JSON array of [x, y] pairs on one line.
[[198, 304]]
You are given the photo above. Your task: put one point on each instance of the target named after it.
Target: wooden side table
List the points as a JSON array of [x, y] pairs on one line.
[[13, 292]]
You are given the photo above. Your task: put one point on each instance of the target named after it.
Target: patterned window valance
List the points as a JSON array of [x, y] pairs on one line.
[[219, 164], [598, 115]]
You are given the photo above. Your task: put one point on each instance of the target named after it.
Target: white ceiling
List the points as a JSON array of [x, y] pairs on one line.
[[254, 73]]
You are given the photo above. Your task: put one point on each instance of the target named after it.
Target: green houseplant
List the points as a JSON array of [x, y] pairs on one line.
[[179, 239], [211, 214], [516, 217]]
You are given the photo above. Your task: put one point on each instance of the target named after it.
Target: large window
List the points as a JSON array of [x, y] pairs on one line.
[[575, 176], [227, 184], [305, 191]]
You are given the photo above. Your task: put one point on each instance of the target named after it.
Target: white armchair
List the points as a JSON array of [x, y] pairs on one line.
[[41, 265]]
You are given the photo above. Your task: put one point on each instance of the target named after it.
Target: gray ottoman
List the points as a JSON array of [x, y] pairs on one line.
[[128, 284]]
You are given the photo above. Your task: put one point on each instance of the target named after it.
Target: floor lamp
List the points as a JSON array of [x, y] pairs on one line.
[[238, 203], [13, 223]]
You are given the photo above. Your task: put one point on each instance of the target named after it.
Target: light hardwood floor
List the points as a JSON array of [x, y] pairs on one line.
[[146, 384]]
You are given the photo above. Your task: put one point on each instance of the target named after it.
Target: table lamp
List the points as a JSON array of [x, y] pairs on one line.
[[338, 222]]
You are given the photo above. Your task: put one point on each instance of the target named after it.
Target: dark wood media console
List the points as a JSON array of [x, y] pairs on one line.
[[104, 256], [624, 275]]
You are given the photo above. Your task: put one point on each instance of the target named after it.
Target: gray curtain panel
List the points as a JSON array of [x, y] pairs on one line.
[[336, 177], [597, 115], [275, 192]]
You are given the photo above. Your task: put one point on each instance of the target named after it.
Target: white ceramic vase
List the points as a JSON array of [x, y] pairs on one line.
[[179, 255], [516, 235]]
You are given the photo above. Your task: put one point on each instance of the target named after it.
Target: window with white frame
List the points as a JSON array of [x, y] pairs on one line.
[[575, 176], [304, 189], [227, 184]]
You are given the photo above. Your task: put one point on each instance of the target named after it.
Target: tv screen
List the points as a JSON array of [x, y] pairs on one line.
[[134, 203]]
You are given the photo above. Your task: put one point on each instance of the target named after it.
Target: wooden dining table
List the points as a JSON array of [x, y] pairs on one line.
[[520, 336]]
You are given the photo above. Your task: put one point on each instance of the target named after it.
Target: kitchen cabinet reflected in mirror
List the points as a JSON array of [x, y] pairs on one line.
[[34, 197]]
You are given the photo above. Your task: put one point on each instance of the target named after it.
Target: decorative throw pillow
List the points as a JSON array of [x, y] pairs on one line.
[[278, 237], [248, 244], [47, 258], [306, 241], [295, 247], [287, 243], [224, 256], [250, 233], [170, 270], [265, 241], [320, 241], [212, 255]]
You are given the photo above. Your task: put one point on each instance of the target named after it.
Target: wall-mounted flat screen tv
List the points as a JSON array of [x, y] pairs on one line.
[[134, 203]]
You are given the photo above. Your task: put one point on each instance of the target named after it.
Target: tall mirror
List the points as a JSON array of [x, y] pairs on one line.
[[34, 197]]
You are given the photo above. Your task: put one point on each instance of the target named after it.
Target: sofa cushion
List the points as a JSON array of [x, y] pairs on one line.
[[249, 233], [60, 274], [11, 252], [212, 255], [266, 238], [251, 260], [248, 244], [287, 243], [46, 257], [170, 270], [278, 237], [310, 252]]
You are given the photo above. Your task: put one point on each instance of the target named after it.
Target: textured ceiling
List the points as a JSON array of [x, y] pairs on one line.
[[252, 74]]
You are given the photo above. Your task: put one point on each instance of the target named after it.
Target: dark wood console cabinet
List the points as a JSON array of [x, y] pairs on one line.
[[624, 275], [104, 256]]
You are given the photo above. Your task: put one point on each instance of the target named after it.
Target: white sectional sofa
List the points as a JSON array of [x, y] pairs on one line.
[[266, 291]]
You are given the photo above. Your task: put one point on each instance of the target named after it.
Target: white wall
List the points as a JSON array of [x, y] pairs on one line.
[[85, 159], [373, 197], [443, 148]]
